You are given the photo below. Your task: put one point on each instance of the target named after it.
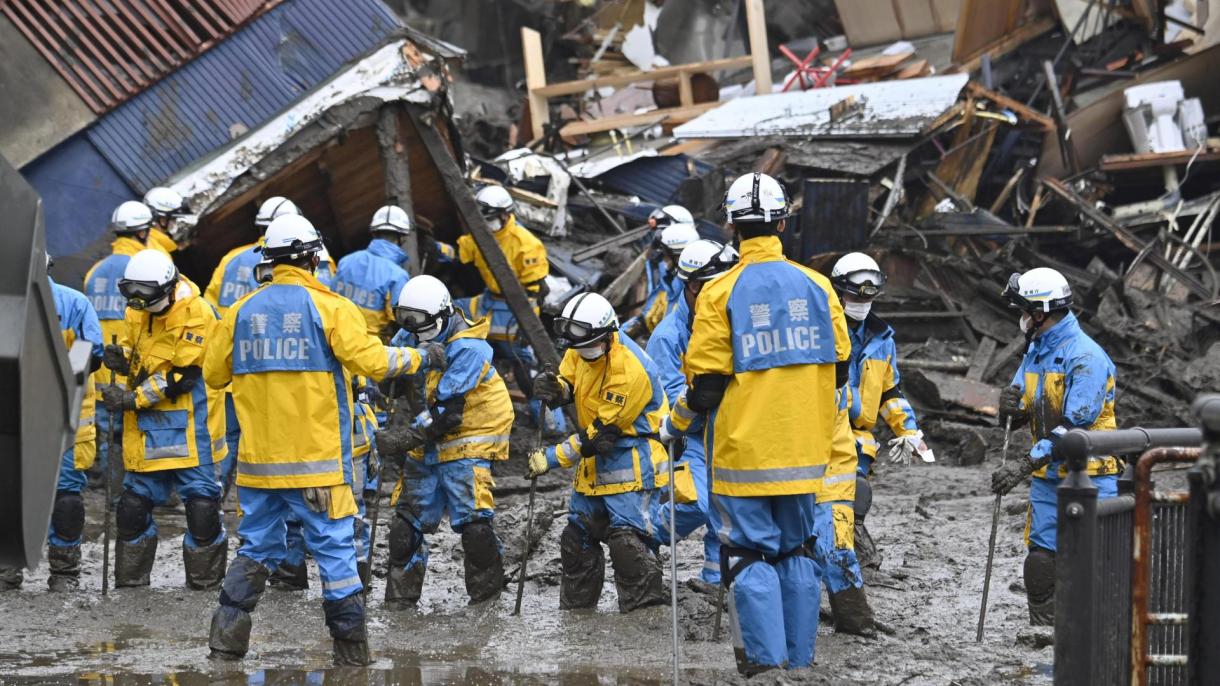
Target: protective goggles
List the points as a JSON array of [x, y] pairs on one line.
[[414, 320], [141, 294], [1012, 293], [579, 334], [863, 284], [293, 250]]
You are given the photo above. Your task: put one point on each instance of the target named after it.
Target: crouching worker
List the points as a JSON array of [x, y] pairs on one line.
[[289, 349], [620, 401], [448, 448]]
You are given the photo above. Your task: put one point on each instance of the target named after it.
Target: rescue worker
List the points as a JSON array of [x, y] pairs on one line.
[[168, 207], [528, 258], [372, 278], [236, 276], [173, 428], [769, 347], [77, 321], [620, 403], [289, 349], [699, 263], [1065, 381], [131, 222], [666, 288], [464, 428]]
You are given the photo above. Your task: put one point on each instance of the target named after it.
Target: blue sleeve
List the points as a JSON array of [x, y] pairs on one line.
[[403, 339], [1086, 387], [467, 363], [667, 356], [91, 328]]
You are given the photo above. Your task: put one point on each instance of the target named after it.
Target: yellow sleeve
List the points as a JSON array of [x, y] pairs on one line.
[[839, 484], [624, 396], [532, 265], [356, 349], [197, 332], [657, 311], [711, 345], [212, 294], [467, 249], [218, 355], [567, 368], [839, 322], [160, 240]]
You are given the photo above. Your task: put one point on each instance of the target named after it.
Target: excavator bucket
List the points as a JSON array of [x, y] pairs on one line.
[[39, 390]]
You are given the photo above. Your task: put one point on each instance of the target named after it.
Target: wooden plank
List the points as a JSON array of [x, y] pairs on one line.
[[685, 94], [913, 70], [1022, 111], [535, 78], [673, 115], [1005, 44], [1156, 159], [397, 175], [760, 53], [981, 359], [877, 65], [1014, 348], [620, 80]]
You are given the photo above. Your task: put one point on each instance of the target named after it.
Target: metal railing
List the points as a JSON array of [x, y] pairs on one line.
[[1203, 568]]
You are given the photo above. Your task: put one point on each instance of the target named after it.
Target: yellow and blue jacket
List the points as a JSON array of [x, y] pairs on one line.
[[177, 422], [621, 388], [372, 279], [776, 330], [289, 349], [663, 296], [233, 277], [78, 322], [524, 252], [873, 382], [1067, 382]]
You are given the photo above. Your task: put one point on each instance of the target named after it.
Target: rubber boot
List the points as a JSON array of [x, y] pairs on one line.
[[10, 578], [345, 619], [364, 572], [1039, 573], [403, 587], [408, 563], [133, 562], [484, 565], [852, 613], [584, 569], [229, 638], [290, 577], [637, 571], [866, 548], [64, 564], [205, 565]]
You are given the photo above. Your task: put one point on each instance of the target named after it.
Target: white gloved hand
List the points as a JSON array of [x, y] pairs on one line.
[[666, 433], [903, 447]]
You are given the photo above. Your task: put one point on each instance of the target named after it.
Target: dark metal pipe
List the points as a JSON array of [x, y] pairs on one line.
[[1078, 445]]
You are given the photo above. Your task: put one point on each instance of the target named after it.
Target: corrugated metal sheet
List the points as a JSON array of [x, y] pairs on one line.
[[653, 180], [109, 51], [237, 85]]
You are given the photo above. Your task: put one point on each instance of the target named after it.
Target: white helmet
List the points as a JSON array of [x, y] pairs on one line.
[[150, 277], [290, 237], [676, 237], [493, 200], [858, 274], [586, 319], [164, 202], [670, 214], [754, 198], [131, 217], [1042, 289], [424, 307], [703, 260], [274, 207], [391, 218]]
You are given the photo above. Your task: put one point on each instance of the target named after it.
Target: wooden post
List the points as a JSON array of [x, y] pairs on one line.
[[397, 175], [535, 77], [756, 20], [686, 96]]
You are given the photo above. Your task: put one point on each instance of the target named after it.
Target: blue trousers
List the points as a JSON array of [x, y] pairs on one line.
[[224, 469], [462, 488], [71, 480], [263, 531], [629, 510], [1043, 515], [774, 593], [840, 567], [193, 482], [689, 516]]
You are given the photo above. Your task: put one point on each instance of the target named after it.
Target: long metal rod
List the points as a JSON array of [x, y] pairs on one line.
[[106, 475], [673, 563], [529, 526], [995, 525], [374, 509]]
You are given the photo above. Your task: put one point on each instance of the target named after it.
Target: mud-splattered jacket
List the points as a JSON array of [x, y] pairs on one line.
[[874, 384]]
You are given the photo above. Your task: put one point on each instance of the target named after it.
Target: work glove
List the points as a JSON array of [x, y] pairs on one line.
[[433, 355], [317, 499], [115, 358], [117, 399], [399, 440], [666, 434], [601, 443], [1007, 477], [1010, 403], [550, 389], [537, 464], [903, 447]]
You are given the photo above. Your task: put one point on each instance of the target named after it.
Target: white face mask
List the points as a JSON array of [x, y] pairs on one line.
[[430, 333], [1027, 323], [496, 224], [857, 311], [159, 306], [592, 352]]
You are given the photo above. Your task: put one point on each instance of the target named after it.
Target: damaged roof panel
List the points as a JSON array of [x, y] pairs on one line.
[[652, 179], [894, 109]]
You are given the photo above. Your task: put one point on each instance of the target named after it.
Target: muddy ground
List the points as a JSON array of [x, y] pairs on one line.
[[931, 523]]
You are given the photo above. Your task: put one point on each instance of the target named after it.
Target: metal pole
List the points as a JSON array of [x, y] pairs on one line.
[[529, 525], [374, 509], [114, 340], [673, 561], [995, 524]]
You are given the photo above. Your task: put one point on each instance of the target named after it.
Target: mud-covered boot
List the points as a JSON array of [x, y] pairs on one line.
[[851, 612], [637, 571], [345, 619], [133, 561], [483, 563], [866, 548], [404, 582], [11, 578], [290, 577], [365, 572], [229, 638], [205, 565], [403, 587], [1039, 576], [64, 564], [584, 569]]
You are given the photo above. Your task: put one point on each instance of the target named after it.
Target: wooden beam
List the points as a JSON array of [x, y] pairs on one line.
[[535, 78], [673, 115], [981, 359], [1148, 160], [760, 53], [1005, 45], [620, 80], [1022, 111], [397, 175]]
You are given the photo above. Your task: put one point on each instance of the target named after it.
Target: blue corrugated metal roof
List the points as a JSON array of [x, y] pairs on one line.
[[241, 82], [652, 179]]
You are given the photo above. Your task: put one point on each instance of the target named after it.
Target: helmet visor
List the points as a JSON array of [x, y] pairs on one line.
[[414, 320], [1012, 293], [863, 284], [579, 334], [141, 294]]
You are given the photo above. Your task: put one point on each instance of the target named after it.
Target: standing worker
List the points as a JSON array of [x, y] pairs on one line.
[[77, 322], [289, 350], [372, 278], [620, 402], [769, 347], [173, 428], [876, 392], [168, 207], [699, 263], [1065, 381], [465, 427], [674, 230]]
